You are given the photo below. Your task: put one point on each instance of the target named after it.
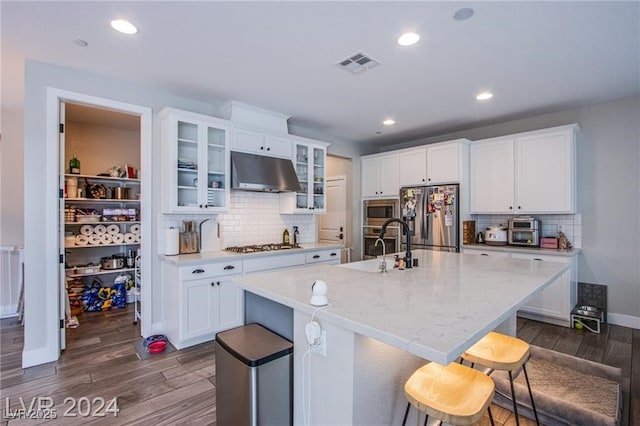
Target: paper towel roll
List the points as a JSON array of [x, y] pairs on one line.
[[113, 229], [135, 228], [82, 240], [86, 230], [106, 239], [100, 229], [118, 238], [171, 241], [129, 238], [94, 239]]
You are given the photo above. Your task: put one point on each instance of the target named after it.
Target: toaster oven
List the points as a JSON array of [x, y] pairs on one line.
[[524, 231]]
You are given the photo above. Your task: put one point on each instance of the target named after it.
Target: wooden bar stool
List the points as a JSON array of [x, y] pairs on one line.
[[501, 352], [455, 394]]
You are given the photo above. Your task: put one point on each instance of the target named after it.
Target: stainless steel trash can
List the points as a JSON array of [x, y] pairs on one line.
[[254, 377]]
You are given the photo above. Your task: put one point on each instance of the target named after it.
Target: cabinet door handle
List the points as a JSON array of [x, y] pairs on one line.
[[218, 282], [213, 284], [197, 271], [510, 207], [268, 149], [317, 256], [333, 254], [538, 259], [484, 254], [229, 267], [262, 147]]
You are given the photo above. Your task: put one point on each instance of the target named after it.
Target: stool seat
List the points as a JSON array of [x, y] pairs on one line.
[[498, 351], [454, 394], [501, 352]]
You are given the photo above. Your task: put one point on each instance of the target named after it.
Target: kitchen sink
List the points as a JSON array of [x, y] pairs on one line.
[[372, 265]]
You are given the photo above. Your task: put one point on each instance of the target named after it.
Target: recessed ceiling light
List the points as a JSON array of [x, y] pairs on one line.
[[389, 122], [484, 96], [123, 26], [463, 14], [407, 39]]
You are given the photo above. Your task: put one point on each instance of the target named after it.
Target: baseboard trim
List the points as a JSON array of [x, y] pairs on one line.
[[39, 356], [623, 320]]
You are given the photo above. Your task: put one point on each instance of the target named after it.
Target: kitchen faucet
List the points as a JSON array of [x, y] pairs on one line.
[[407, 232], [383, 263]]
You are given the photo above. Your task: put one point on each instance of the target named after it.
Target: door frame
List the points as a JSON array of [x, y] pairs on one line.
[[346, 242], [52, 240]]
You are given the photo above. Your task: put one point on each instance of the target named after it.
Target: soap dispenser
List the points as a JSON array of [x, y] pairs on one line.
[[285, 237]]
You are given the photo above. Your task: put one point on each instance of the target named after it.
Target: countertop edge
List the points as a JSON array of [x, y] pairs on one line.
[[526, 250]]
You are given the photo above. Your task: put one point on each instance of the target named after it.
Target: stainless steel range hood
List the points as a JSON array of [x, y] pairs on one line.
[[251, 172]]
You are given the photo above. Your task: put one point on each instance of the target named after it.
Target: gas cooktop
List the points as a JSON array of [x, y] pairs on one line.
[[261, 247]]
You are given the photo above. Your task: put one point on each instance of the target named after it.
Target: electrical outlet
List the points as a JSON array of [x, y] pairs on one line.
[[321, 348]]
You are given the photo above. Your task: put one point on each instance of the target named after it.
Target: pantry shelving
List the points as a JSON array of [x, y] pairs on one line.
[[100, 222]]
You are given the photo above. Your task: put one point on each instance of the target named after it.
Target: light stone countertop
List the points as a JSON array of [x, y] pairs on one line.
[[527, 250], [199, 258], [434, 311]]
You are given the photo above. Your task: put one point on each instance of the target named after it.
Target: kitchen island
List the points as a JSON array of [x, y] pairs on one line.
[[381, 326]]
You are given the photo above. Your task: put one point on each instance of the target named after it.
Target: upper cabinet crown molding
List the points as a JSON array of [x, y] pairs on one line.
[[255, 118]]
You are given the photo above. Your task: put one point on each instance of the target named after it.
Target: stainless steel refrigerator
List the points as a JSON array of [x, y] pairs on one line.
[[433, 217]]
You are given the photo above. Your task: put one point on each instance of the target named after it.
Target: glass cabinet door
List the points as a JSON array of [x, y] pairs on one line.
[[302, 170], [187, 175], [216, 178], [318, 178]]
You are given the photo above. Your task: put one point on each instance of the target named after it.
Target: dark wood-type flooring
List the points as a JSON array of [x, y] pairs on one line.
[[179, 387]]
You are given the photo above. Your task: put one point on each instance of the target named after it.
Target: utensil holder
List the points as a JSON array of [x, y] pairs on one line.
[[188, 242]]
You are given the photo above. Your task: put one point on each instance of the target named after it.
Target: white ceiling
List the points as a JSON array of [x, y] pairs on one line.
[[536, 57]]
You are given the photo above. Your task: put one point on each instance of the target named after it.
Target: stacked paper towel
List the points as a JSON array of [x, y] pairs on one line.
[[111, 234]]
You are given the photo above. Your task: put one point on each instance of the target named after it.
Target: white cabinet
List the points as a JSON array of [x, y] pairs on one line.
[[531, 172], [261, 143], [201, 300], [380, 176], [278, 261], [445, 162], [196, 157], [554, 302], [414, 167], [545, 172], [324, 256], [492, 176], [310, 164]]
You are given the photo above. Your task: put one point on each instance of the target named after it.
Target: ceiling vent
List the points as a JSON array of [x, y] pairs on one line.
[[357, 63]]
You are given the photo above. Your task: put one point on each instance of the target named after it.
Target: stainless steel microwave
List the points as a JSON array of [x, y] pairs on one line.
[[376, 212]]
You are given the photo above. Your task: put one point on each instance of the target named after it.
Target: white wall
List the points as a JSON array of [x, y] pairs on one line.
[[608, 155]]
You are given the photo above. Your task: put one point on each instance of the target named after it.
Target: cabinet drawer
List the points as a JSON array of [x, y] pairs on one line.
[[273, 262], [323, 256], [217, 269]]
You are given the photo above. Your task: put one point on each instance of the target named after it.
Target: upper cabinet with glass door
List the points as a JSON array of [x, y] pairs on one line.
[[196, 150], [309, 160]]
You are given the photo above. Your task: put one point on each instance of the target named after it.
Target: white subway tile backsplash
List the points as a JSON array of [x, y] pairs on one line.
[[255, 218], [569, 224]]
